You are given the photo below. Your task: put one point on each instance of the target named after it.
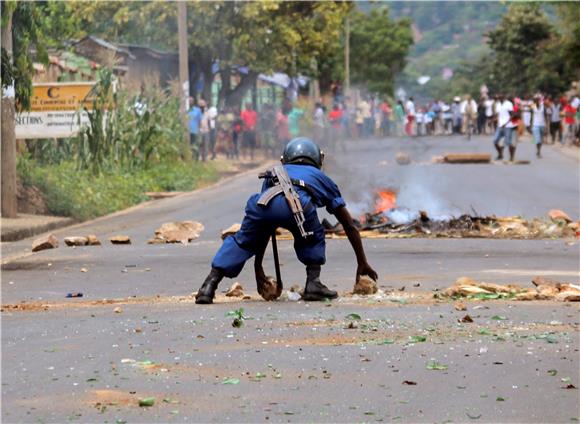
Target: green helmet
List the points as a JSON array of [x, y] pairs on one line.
[[303, 150]]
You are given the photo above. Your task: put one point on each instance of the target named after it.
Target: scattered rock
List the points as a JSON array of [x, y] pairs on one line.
[[543, 281], [120, 240], [179, 231], [43, 243], [156, 241], [236, 290], [233, 229], [558, 215], [75, 241], [365, 286], [460, 306], [296, 289], [403, 158], [118, 310], [467, 318], [92, 240], [293, 296], [247, 297], [270, 290], [84, 270]]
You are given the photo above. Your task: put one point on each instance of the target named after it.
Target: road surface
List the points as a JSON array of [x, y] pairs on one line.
[[296, 361]]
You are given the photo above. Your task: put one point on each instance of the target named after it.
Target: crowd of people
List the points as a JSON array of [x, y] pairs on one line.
[[234, 131]]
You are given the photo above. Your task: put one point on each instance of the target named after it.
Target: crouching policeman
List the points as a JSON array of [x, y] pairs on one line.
[[289, 198]]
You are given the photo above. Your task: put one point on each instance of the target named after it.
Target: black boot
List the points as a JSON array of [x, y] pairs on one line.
[[512, 153], [206, 293], [499, 152], [314, 289]]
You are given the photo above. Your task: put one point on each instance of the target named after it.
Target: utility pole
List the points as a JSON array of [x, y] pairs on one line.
[[347, 57], [8, 142], [183, 74]]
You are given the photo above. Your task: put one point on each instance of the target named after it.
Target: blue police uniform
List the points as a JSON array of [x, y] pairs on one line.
[[261, 221]]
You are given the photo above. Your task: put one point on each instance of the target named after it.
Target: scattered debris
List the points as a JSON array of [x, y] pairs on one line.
[[177, 232], [460, 306], [556, 215], [389, 221], [436, 366], [92, 240], [231, 230], [545, 289], [118, 310], [239, 317], [84, 270], [70, 295], [365, 286], [410, 383], [403, 158], [293, 296], [466, 318], [148, 401], [231, 381], [236, 290], [269, 289], [467, 158], [75, 241], [120, 240], [43, 243]]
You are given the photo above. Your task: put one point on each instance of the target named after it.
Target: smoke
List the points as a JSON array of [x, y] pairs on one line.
[[417, 189]]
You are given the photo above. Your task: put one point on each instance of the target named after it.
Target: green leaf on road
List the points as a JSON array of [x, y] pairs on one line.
[[148, 401], [231, 381], [436, 366], [386, 342], [566, 379], [91, 380], [484, 332], [353, 317], [174, 412], [417, 339], [499, 318], [500, 399], [552, 372], [278, 376]]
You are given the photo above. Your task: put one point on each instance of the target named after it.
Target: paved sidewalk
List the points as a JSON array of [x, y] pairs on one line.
[[26, 225]]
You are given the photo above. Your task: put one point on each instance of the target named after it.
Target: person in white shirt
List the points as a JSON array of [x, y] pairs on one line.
[[410, 110], [538, 121], [505, 128]]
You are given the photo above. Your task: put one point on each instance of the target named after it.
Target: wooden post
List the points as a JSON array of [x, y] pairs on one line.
[[8, 142], [183, 74]]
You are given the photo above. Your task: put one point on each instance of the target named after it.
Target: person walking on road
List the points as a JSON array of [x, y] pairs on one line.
[[505, 128], [553, 110], [538, 122], [250, 119], [569, 112], [194, 119], [203, 131], [411, 113], [399, 118]]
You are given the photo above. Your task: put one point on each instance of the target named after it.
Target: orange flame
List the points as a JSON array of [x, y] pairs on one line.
[[385, 200]]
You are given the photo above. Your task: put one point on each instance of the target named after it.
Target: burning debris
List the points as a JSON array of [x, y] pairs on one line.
[[390, 220]]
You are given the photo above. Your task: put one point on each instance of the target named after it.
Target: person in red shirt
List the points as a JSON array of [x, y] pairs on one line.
[[335, 118], [249, 118], [569, 120]]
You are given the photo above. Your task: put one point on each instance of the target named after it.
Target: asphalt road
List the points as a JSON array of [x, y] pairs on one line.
[[298, 362]]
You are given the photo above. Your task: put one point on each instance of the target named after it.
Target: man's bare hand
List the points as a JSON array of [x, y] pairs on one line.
[[268, 287], [365, 269]]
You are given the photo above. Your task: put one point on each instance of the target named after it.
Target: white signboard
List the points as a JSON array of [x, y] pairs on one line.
[[54, 110]]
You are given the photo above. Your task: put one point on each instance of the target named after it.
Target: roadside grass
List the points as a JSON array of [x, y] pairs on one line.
[[81, 195]]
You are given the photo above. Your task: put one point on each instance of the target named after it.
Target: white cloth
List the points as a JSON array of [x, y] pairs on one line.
[[410, 107], [212, 114], [538, 117], [575, 102], [488, 108], [504, 114]]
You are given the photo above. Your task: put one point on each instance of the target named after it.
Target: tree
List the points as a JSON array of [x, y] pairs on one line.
[[21, 31], [516, 42], [263, 37], [379, 48]]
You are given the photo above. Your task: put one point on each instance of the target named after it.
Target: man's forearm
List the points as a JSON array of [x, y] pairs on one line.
[[356, 243]]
